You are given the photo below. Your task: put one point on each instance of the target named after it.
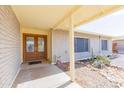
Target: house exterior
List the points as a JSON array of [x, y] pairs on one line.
[[22, 38], [85, 43]]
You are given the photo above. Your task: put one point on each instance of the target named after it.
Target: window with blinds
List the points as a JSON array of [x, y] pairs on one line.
[[81, 45], [104, 45]]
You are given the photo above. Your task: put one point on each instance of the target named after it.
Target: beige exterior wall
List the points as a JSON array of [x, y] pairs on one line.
[[36, 31], [9, 46], [60, 45]]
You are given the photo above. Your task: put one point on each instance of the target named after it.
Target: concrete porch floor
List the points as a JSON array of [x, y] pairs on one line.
[[43, 76]]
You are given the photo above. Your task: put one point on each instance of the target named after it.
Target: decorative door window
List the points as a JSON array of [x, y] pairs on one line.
[[30, 44], [40, 44]]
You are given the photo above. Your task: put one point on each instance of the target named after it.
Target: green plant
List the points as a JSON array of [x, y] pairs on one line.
[[103, 59], [92, 59]]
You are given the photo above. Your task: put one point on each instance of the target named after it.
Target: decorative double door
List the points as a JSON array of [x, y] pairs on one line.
[[34, 48]]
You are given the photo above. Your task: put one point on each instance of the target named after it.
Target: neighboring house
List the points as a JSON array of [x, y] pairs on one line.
[[118, 46], [85, 43]]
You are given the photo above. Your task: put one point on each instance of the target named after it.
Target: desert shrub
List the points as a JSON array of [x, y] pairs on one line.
[[92, 59], [103, 59]]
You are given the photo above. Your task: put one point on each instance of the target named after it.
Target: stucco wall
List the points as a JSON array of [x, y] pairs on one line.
[[36, 31], [9, 46], [60, 46]]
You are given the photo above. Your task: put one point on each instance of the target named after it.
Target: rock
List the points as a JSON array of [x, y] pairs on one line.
[[122, 85], [102, 66], [97, 64]]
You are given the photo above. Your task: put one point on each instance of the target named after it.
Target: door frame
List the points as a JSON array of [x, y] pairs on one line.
[[24, 44]]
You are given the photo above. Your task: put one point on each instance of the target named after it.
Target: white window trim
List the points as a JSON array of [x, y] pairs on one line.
[[107, 44], [88, 44]]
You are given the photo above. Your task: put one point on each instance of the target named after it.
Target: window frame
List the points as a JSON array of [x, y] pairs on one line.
[[102, 45], [84, 46]]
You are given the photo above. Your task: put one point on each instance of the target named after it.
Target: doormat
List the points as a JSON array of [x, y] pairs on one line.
[[34, 62]]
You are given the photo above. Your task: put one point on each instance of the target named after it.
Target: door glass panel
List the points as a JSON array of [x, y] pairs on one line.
[[30, 44], [40, 44]]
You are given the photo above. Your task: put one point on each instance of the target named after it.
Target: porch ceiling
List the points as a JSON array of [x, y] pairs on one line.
[[56, 16], [42, 17]]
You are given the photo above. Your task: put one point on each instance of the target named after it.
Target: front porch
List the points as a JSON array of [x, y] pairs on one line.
[[41, 21], [43, 76]]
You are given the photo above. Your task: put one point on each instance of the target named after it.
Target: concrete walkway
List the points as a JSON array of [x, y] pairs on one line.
[[43, 76], [118, 61]]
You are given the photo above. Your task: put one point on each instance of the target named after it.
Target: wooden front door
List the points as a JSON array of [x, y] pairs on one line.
[[35, 47]]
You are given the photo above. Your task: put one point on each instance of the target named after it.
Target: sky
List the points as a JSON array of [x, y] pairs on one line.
[[112, 24]]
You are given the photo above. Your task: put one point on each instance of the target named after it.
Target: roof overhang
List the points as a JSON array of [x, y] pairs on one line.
[[93, 33], [57, 16]]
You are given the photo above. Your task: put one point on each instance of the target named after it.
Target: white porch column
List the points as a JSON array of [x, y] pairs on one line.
[[71, 49]]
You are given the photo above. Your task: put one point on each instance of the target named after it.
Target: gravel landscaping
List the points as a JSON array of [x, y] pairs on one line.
[[89, 77]]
